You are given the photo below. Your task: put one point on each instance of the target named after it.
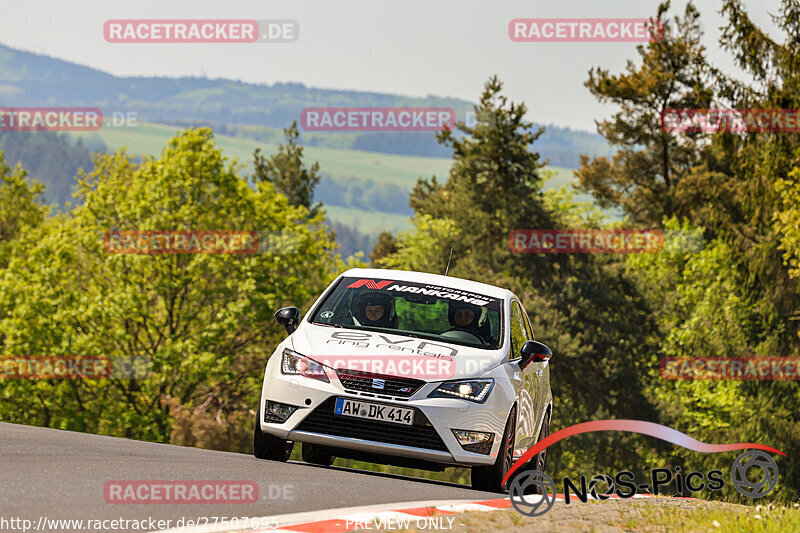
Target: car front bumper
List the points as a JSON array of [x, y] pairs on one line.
[[429, 439]]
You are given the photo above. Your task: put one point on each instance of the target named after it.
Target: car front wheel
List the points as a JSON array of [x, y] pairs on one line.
[[539, 462], [266, 446], [490, 478]]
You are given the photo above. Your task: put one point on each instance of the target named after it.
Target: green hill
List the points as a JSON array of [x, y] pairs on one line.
[[343, 167], [241, 109], [340, 163], [367, 176]]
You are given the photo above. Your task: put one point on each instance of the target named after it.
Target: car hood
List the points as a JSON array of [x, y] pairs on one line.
[[392, 354]]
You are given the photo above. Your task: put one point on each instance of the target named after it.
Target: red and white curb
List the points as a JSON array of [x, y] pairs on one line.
[[430, 515]]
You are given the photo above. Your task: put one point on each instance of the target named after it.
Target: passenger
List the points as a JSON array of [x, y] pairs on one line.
[[465, 317], [372, 308]]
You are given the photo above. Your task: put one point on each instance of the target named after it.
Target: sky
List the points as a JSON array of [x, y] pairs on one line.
[[413, 47]]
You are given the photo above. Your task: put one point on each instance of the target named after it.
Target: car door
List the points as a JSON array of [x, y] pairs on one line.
[[540, 373], [527, 394]]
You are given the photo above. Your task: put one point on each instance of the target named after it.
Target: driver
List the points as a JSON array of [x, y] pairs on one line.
[[465, 317], [373, 308]]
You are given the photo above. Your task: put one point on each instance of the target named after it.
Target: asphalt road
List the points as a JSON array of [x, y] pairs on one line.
[[61, 475]]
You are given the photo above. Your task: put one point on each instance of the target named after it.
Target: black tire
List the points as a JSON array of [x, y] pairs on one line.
[[490, 478], [267, 446], [311, 454], [540, 461]]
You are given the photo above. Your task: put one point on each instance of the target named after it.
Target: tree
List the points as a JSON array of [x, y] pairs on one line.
[[203, 322], [423, 249], [387, 244], [646, 178], [286, 171], [494, 182], [787, 221], [762, 168], [20, 206], [585, 307], [737, 297], [706, 307]]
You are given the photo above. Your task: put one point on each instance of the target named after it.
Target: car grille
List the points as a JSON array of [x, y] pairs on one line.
[[419, 435], [392, 386]]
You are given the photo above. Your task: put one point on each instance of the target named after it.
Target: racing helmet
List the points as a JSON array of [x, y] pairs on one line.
[[371, 297], [456, 306]]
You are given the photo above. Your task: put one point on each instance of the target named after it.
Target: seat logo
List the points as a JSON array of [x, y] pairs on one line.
[[370, 284], [378, 384]]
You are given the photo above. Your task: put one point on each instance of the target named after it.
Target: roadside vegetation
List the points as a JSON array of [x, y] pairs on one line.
[[205, 321], [654, 515]]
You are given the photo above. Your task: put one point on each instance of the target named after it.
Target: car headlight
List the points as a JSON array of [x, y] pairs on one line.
[[474, 390], [295, 364]]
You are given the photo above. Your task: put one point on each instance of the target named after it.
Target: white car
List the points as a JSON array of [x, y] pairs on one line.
[[408, 369]]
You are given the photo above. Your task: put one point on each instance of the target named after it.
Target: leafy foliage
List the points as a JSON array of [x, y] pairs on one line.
[[736, 297], [20, 206], [673, 74], [586, 308], [204, 322], [286, 171], [387, 244]]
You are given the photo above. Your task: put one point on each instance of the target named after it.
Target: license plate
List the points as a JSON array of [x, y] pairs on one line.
[[374, 411]]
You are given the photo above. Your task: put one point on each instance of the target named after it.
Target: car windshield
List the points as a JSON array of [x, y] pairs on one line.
[[417, 309]]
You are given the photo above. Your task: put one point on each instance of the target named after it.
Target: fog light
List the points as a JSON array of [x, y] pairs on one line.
[[471, 437], [281, 411], [474, 441]]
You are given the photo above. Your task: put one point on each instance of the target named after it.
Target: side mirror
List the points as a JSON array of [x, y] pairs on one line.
[[289, 318], [534, 352]]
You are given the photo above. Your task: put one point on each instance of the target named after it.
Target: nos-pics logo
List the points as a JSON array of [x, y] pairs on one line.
[[753, 473]]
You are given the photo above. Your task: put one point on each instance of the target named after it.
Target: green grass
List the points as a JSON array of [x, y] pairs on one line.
[[558, 177], [371, 222], [399, 170], [340, 163], [746, 519], [402, 170]]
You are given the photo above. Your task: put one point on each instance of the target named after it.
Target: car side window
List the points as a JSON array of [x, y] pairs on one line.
[[528, 328], [518, 329]]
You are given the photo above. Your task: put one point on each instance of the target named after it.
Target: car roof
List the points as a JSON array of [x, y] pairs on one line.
[[433, 279]]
